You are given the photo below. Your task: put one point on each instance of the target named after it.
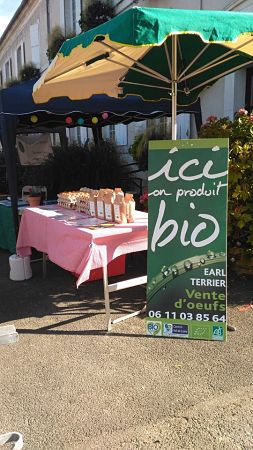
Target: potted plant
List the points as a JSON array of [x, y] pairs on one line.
[[55, 41], [95, 13], [28, 72], [34, 197]]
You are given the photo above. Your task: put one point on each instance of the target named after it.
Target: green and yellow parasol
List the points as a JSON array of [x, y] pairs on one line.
[[154, 53]]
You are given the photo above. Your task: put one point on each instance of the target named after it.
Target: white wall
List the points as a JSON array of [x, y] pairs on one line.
[[179, 4], [239, 5]]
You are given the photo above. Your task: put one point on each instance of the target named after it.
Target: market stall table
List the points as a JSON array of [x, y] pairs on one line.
[[79, 243], [7, 231]]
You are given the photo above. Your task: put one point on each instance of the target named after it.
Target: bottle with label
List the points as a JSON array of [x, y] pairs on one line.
[[109, 201], [100, 204], [130, 207], [119, 207], [93, 203]]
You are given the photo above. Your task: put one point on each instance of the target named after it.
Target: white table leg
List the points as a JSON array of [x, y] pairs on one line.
[[107, 299], [117, 287]]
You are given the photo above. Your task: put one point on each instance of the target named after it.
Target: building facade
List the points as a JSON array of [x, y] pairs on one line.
[[26, 41], [26, 38]]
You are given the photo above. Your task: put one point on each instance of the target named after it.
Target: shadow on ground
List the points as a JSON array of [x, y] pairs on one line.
[[240, 289], [57, 296]]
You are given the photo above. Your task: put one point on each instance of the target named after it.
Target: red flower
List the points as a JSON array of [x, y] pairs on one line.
[[211, 119], [242, 112], [144, 197]]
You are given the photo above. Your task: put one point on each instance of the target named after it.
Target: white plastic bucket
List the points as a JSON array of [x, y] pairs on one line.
[[12, 437], [20, 268], [8, 334]]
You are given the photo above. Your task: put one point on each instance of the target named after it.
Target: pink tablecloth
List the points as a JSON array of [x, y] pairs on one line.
[[65, 237]]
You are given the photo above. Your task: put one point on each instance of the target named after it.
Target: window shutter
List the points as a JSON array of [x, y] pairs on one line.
[[19, 59], [7, 71], [35, 46], [68, 15], [121, 134]]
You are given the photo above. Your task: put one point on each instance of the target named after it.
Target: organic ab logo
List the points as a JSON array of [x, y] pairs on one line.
[[199, 331], [217, 332], [154, 328]]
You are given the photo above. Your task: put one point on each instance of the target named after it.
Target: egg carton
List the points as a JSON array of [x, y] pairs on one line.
[[65, 203], [82, 205]]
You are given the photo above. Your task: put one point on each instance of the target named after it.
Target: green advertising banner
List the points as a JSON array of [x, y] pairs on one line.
[[186, 291]]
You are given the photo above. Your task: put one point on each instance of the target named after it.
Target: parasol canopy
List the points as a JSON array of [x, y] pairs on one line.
[[98, 111], [155, 53]]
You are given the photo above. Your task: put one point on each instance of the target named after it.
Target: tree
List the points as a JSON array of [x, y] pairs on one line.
[[95, 13], [55, 41], [28, 72], [139, 148]]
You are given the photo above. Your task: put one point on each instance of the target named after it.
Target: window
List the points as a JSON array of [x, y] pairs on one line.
[[73, 15], [72, 11], [249, 90], [48, 17], [70, 16], [116, 133], [24, 52], [184, 126], [8, 70], [121, 134], [19, 59], [78, 134], [112, 133], [163, 126], [73, 135], [35, 44], [78, 9]]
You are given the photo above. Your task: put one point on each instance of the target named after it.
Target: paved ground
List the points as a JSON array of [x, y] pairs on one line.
[[67, 385]]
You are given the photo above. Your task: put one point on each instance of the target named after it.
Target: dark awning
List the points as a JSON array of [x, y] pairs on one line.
[[19, 114], [17, 100]]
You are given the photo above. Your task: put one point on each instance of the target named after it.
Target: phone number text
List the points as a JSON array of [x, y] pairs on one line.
[[187, 316]]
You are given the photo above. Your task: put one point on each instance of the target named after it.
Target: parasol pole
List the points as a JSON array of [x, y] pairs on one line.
[[174, 86]]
